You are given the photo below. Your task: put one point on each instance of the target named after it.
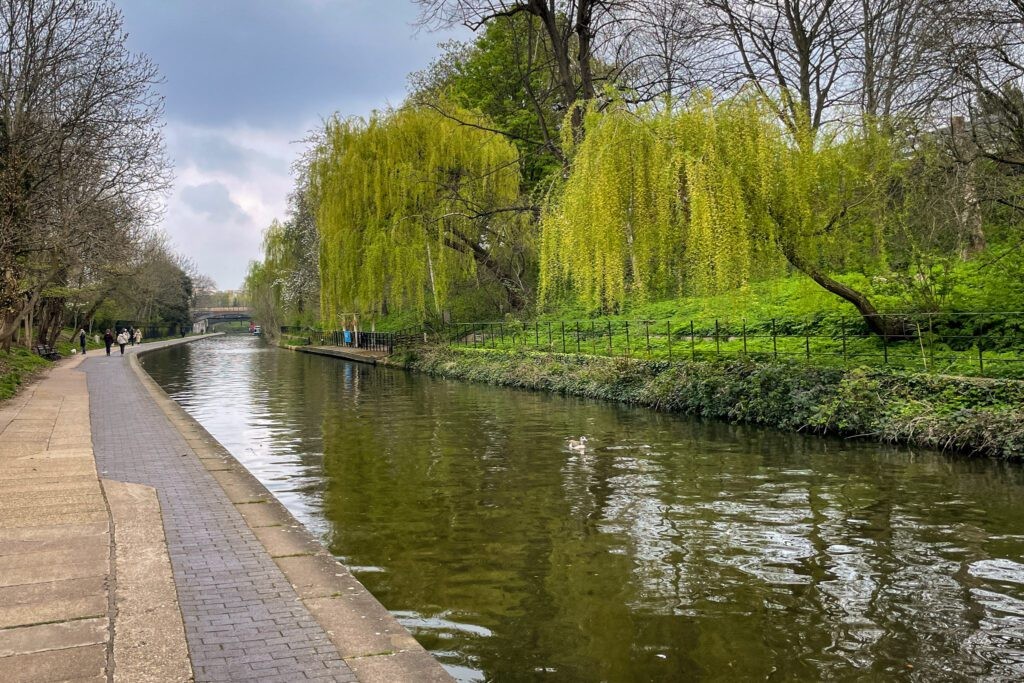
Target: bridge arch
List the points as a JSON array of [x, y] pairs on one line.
[[203, 318]]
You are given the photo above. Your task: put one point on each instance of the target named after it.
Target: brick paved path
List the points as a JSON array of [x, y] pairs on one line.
[[243, 620]]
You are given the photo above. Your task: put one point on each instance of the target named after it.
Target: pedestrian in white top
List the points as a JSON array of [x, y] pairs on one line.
[[122, 340]]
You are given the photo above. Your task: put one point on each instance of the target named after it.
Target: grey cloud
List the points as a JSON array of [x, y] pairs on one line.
[[212, 152], [266, 61], [213, 201]]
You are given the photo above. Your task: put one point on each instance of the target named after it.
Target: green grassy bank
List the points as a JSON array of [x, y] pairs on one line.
[[968, 415], [17, 367]]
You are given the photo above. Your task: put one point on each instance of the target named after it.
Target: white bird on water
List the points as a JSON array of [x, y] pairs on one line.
[[580, 445]]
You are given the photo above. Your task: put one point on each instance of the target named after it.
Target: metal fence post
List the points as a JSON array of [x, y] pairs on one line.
[[693, 343], [536, 334], [609, 337], [562, 323], [981, 357], [775, 341], [577, 336], [744, 336], [718, 345], [647, 334], [842, 323], [550, 345], [593, 337], [885, 340], [668, 335], [501, 327], [807, 342], [931, 343], [627, 338]]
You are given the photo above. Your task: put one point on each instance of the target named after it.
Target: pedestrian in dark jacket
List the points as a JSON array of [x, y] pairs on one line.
[[108, 340], [81, 339]]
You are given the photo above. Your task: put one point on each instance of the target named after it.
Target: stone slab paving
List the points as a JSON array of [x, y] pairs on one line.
[[243, 619], [55, 541]]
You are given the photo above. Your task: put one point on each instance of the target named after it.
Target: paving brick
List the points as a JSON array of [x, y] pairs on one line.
[[243, 620]]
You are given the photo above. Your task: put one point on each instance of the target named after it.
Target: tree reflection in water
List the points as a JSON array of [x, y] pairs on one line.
[[671, 549]]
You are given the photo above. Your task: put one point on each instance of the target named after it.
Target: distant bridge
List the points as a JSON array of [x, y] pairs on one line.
[[202, 318]]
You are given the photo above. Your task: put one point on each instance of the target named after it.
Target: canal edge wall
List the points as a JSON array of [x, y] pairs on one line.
[[354, 355], [970, 416], [368, 637]]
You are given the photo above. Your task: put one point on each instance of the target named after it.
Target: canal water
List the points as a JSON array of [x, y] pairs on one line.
[[672, 549]]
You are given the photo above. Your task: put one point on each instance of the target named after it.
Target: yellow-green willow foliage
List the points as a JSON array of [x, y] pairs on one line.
[[398, 200], [697, 199], [263, 282]]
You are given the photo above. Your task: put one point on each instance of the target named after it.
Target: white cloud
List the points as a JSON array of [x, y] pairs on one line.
[[230, 183], [244, 82]]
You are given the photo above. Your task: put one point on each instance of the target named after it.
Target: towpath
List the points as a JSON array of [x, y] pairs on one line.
[[133, 547]]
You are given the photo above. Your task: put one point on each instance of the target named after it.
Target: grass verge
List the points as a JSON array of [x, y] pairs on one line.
[[17, 367]]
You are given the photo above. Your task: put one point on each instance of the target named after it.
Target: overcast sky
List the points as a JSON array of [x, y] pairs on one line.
[[245, 81]]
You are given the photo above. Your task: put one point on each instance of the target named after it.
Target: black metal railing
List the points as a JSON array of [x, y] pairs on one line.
[[978, 343], [386, 342]]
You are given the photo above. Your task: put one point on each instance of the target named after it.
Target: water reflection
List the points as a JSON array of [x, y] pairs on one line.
[[670, 550]]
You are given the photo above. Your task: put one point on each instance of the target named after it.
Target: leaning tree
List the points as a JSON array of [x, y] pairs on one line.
[[706, 196]]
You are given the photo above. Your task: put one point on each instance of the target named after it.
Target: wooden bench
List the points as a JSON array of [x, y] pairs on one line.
[[47, 352]]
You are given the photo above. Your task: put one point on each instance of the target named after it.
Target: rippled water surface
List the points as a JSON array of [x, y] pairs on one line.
[[673, 549]]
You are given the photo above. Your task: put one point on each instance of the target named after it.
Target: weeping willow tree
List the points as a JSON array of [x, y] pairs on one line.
[[410, 204], [704, 197]]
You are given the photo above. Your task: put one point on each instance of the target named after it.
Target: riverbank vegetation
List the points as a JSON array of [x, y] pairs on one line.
[[851, 167], [82, 177], [976, 416]]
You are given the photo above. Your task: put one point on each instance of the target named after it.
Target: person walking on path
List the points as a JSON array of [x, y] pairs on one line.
[[138, 336], [122, 340], [108, 340], [81, 339], [131, 336]]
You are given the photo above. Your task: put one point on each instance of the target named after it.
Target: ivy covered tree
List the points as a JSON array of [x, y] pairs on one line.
[[410, 204], [707, 196]]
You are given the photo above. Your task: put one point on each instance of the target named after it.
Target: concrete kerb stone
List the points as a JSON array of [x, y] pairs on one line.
[[376, 646]]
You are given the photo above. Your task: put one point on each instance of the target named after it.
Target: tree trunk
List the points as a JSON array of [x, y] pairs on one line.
[[16, 314], [971, 227], [58, 310], [884, 326], [513, 292]]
